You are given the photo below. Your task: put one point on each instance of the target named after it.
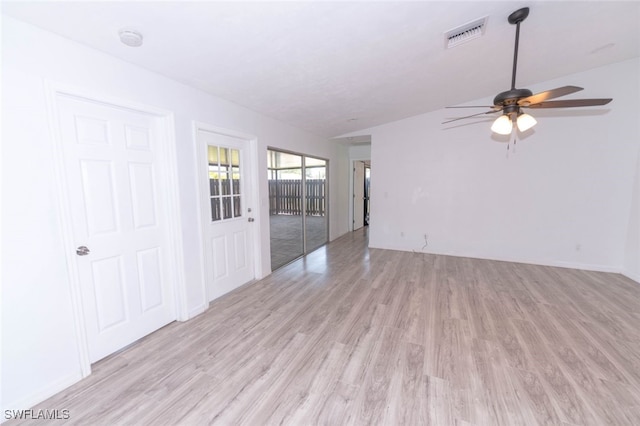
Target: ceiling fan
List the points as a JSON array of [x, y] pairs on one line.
[[512, 102]]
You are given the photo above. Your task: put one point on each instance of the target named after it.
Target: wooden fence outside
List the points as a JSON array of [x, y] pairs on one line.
[[285, 197]]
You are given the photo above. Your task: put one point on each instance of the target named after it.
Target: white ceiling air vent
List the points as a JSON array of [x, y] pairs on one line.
[[464, 33]]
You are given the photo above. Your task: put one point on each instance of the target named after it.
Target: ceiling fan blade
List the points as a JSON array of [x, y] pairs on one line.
[[549, 94], [569, 103], [470, 116], [473, 106]]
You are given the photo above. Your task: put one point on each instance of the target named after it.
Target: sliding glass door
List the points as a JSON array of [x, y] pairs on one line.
[[297, 205], [285, 206], [315, 193]]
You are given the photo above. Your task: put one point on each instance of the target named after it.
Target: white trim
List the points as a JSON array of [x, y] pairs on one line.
[[632, 276], [169, 165], [42, 394], [203, 192], [200, 215], [168, 161], [257, 210], [352, 166], [198, 310], [66, 221], [542, 262]]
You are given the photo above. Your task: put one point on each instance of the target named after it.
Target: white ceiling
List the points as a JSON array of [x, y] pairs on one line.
[[337, 67]]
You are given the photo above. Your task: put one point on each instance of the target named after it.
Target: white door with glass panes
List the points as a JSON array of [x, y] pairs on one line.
[[228, 215]]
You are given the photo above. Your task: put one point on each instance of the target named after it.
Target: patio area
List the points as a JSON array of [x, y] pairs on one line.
[[286, 237]]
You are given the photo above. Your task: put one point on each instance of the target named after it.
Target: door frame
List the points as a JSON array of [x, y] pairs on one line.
[[203, 194], [168, 177], [356, 166], [352, 164], [304, 197]]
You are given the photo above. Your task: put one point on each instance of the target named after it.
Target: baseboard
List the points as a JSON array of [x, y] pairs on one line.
[[37, 397], [635, 276], [558, 264], [197, 311], [583, 266]]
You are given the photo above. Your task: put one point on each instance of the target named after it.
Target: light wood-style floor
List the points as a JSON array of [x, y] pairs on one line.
[[350, 335]]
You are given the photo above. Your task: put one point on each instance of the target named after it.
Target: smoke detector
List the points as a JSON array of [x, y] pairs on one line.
[[465, 33], [130, 37]]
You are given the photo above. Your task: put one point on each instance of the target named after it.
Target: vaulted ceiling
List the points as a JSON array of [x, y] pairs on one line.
[[336, 67]]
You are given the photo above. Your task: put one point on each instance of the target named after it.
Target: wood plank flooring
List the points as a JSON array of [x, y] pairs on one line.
[[350, 335]]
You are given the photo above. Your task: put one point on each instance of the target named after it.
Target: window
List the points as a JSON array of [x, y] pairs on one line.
[[224, 183]]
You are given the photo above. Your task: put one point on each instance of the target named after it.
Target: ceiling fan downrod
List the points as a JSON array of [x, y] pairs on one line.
[[515, 18]]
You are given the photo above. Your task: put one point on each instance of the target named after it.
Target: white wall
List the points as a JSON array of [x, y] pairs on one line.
[[39, 347], [562, 199], [360, 152]]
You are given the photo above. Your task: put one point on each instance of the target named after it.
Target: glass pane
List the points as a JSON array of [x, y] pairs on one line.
[[214, 172], [311, 162], [225, 184], [279, 160], [213, 155], [224, 156], [290, 174], [235, 157], [236, 180], [316, 207], [285, 207], [214, 188], [226, 207], [237, 210], [215, 209], [316, 172]]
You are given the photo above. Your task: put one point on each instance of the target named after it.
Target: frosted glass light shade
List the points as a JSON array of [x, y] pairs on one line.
[[525, 122], [502, 125]]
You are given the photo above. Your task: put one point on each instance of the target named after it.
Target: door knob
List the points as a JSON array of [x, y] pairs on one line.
[[82, 251], [251, 219]]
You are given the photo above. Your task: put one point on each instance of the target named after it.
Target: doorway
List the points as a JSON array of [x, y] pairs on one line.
[[227, 209], [361, 194], [113, 168], [367, 192], [298, 213]]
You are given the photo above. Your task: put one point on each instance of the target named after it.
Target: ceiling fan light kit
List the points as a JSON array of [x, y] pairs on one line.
[[525, 122], [503, 125], [511, 102]]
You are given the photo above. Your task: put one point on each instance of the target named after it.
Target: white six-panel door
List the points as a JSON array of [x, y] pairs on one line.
[[227, 211], [115, 200]]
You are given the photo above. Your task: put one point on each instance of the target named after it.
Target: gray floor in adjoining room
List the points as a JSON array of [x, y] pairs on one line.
[[286, 237]]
